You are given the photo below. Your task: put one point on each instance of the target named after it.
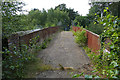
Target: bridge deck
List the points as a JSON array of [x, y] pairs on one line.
[[62, 50]]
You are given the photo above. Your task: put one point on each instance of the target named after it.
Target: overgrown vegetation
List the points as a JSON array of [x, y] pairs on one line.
[[81, 21], [107, 63], [80, 37], [111, 30], [17, 61], [96, 28], [96, 8]]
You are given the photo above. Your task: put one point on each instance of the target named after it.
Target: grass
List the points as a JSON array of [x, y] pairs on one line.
[[35, 67]]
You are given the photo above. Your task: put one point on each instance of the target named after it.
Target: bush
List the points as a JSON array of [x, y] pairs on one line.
[[14, 60], [80, 38], [108, 63], [96, 28]]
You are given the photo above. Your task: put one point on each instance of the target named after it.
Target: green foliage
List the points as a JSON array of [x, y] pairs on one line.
[[14, 61], [96, 28], [13, 22], [94, 9], [80, 37], [45, 43], [81, 21], [89, 77], [56, 16], [114, 8], [37, 18], [108, 63], [77, 75], [111, 31], [9, 19], [42, 19], [71, 14]]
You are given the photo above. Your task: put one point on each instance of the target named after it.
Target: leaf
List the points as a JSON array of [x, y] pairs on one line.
[[114, 63], [94, 71], [12, 67], [103, 72], [95, 13], [116, 72], [96, 77], [114, 77], [108, 16], [94, 22], [111, 46], [71, 73], [77, 75], [88, 76], [105, 10]]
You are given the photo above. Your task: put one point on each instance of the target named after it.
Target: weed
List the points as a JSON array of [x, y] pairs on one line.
[[45, 43], [80, 37]]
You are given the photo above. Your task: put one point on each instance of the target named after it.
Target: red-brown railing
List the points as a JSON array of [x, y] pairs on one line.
[[93, 40], [18, 39]]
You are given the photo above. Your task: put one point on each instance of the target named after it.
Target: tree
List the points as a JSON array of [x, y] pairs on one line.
[[81, 21], [114, 7], [43, 17], [55, 16], [71, 13], [9, 12], [61, 7]]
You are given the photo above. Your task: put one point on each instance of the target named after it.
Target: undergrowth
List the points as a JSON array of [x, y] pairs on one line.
[[107, 63], [19, 62], [80, 37]]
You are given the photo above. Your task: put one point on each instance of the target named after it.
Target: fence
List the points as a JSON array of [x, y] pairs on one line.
[[25, 37], [93, 40]]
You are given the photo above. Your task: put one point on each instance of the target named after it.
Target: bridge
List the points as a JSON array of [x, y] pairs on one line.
[[63, 55]]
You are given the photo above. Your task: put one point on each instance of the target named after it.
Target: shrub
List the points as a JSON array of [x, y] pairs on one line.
[[96, 28], [14, 60], [108, 63], [80, 38]]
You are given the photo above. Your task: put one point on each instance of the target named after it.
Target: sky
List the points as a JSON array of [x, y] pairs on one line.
[[81, 6]]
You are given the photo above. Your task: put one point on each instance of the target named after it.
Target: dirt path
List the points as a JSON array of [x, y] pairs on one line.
[[62, 50]]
